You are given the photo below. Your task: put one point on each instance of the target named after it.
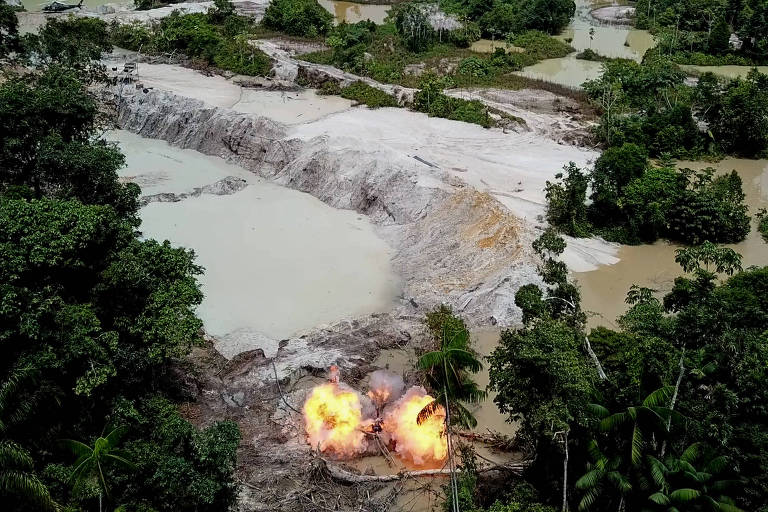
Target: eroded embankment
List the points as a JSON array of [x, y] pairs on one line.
[[452, 243]]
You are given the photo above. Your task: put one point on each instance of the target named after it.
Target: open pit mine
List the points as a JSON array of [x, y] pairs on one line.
[[343, 423]]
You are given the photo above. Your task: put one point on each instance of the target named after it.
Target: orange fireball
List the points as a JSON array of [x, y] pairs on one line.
[[332, 415], [425, 443]]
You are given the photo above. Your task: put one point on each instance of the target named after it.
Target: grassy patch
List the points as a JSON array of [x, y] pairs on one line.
[[367, 95]]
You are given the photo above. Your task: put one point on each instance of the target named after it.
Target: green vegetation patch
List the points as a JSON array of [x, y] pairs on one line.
[[305, 18], [217, 38], [363, 93]]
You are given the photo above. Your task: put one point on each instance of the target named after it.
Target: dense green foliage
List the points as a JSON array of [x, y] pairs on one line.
[[298, 17], [499, 18], [633, 201], [9, 30], [219, 38], [678, 421], [650, 105], [92, 316], [47, 125], [687, 29]]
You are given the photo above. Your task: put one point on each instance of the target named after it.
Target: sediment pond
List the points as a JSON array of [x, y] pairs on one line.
[[277, 261]]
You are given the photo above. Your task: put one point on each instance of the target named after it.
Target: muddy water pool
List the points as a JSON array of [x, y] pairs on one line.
[[351, 12], [603, 290], [607, 40], [277, 261]]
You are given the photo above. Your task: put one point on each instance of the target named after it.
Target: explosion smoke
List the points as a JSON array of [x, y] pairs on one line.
[[385, 387]]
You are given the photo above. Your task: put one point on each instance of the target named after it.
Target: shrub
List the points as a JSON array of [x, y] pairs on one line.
[[367, 95], [305, 18], [474, 66], [191, 34], [431, 100], [131, 36], [413, 26], [542, 45], [239, 56]]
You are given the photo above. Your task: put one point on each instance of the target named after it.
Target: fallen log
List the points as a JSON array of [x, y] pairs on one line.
[[493, 439], [344, 476]]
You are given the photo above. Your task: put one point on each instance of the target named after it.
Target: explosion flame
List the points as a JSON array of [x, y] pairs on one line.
[[333, 417], [423, 443], [335, 423]]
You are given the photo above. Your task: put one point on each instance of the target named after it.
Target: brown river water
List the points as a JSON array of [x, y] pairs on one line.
[[603, 290]]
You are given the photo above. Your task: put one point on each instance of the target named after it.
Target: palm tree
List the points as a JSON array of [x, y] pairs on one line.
[[447, 371], [650, 417], [681, 487], [17, 478], [602, 473], [90, 460]]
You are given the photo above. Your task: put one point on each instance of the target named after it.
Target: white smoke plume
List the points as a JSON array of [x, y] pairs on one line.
[[385, 387]]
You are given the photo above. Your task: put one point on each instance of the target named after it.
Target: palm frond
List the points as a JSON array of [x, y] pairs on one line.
[[661, 396], [465, 359], [598, 410], [684, 495], [76, 447], [619, 481], [658, 471], [28, 486], [614, 421], [14, 456], [427, 412], [637, 446], [589, 480], [431, 359], [114, 437], [659, 498], [718, 464], [589, 499]]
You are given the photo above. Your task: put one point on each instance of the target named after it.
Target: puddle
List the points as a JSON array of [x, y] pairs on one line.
[[603, 290], [277, 261], [352, 12], [568, 71]]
